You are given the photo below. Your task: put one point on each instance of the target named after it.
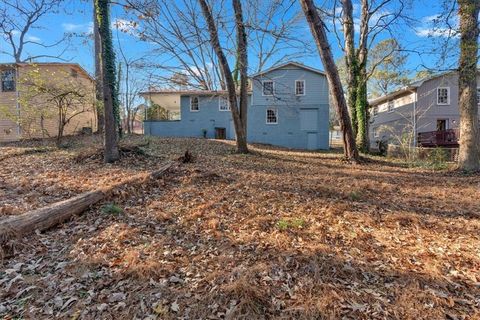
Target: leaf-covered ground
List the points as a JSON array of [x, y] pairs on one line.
[[272, 235]]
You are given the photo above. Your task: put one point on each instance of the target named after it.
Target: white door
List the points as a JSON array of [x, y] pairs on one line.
[[312, 141]]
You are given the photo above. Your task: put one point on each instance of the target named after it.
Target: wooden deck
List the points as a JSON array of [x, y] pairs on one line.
[[445, 138]]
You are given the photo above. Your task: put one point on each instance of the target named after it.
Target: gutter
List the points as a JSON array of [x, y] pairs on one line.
[[17, 103]]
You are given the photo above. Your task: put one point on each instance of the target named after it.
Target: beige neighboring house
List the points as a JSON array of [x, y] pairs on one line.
[[12, 90], [426, 110]]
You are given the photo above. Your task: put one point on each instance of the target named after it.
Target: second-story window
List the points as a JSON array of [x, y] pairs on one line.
[[194, 104], [478, 96], [268, 88], [375, 111], [300, 87], [223, 104], [443, 96], [390, 106], [8, 80]]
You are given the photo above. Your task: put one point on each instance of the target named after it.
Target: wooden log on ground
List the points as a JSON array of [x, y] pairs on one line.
[[51, 215]]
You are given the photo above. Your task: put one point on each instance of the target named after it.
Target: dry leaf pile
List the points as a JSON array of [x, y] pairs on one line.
[[272, 235]]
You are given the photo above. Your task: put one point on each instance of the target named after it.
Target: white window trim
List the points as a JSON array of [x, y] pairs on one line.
[[266, 115], [388, 106], [220, 103], [448, 96], [304, 87], [375, 133], [273, 88], [198, 104], [376, 108], [478, 100]]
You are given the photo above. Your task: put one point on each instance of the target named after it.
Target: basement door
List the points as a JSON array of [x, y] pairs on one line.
[[309, 122]]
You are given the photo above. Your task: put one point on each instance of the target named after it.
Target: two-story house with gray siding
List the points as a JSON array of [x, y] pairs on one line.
[[426, 110], [288, 107]]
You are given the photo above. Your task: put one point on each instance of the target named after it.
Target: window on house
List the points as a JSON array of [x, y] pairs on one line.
[[375, 111], [443, 96], [223, 104], [8, 80], [478, 96], [300, 87], [272, 116], [194, 104], [375, 132], [390, 106], [268, 88]]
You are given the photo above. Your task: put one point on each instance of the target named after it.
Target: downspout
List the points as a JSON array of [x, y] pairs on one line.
[[415, 119], [17, 98]]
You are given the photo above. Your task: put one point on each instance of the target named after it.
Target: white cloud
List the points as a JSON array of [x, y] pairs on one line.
[[432, 26], [436, 32], [80, 27], [33, 38]]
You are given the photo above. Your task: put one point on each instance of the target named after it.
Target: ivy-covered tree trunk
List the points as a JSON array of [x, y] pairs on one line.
[[362, 111], [98, 77], [110, 98], [469, 152]]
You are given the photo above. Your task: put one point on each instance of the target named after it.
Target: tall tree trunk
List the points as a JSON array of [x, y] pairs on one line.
[[240, 126], [350, 61], [469, 153], [362, 111], [110, 99], [317, 28], [361, 82], [98, 77]]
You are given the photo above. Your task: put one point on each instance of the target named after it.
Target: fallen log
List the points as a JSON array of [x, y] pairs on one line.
[[51, 215]]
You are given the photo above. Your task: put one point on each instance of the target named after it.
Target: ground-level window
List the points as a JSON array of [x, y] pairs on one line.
[[443, 96], [223, 104], [8, 80], [272, 116], [268, 88], [375, 132], [375, 110], [194, 104], [300, 87], [390, 106]]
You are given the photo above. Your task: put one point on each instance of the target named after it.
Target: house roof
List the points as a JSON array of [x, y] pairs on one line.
[[71, 64], [291, 63], [408, 88]]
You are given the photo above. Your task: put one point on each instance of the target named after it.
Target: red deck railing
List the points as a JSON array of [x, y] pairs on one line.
[[443, 138]]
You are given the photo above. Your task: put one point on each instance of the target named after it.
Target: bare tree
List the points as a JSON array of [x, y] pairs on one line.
[[469, 153], [17, 19], [238, 108], [110, 98], [376, 17], [176, 32], [98, 76], [317, 28]]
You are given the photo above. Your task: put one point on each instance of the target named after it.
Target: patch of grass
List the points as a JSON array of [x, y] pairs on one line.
[[285, 224], [112, 208], [354, 196]]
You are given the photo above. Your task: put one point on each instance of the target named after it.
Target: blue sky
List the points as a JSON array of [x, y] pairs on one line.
[[77, 18]]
